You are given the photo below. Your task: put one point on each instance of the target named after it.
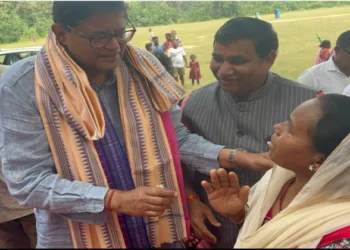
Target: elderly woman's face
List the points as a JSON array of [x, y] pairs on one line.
[[291, 145]]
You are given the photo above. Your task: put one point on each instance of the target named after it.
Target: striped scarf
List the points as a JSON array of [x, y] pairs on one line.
[[75, 124]]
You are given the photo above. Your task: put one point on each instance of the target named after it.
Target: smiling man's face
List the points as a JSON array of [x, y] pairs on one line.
[[238, 67]]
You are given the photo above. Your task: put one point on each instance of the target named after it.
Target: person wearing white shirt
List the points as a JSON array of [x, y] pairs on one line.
[[173, 35], [178, 59], [332, 76], [151, 34]]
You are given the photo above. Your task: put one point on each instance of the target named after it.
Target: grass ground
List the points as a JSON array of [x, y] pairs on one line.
[[296, 32]]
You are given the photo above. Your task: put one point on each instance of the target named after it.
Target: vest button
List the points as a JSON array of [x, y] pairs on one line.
[[239, 133]]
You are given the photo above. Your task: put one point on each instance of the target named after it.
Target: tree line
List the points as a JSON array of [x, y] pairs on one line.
[[28, 19]]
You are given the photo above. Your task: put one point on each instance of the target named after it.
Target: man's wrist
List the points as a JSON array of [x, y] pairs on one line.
[[227, 157], [232, 156], [107, 198], [111, 203], [240, 158], [223, 158]]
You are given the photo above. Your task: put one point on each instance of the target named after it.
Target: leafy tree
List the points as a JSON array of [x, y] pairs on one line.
[[11, 27], [22, 19]]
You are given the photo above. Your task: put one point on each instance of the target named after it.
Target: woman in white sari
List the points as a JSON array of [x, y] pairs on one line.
[[304, 201]]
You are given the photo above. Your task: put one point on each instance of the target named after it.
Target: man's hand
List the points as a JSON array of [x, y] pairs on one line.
[[266, 155], [142, 201], [259, 162], [199, 212]]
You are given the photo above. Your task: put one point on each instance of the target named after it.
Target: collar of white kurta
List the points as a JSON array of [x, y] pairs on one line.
[[330, 66]]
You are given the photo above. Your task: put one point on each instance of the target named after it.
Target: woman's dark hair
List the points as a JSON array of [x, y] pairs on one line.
[[325, 44], [334, 124], [71, 13], [260, 32]]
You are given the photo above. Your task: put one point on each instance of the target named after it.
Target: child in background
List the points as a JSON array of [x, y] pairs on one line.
[[324, 53], [148, 47], [195, 73], [150, 34]]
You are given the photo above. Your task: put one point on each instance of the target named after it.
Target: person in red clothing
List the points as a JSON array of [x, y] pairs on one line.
[[168, 43], [304, 201], [324, 52], [195, 72]]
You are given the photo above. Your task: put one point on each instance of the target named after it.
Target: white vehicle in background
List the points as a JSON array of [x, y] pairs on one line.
[[11, 56]]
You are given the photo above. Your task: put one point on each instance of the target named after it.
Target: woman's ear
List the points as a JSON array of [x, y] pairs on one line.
[[318, 160]]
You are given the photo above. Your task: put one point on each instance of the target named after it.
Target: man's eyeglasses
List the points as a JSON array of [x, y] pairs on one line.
[[101, 41]]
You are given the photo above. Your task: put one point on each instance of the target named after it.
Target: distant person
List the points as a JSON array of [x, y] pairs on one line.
[[332, 52], [159, 54], [156, 46], [151, 34], [33, 38], [195, 72], [324, 53], [148, 47], [167, 44], [174, 37], [178, 58], [331, 76], [164, 60], [277, 13]]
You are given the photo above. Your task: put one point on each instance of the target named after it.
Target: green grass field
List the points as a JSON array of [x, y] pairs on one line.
[[296, 32]]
